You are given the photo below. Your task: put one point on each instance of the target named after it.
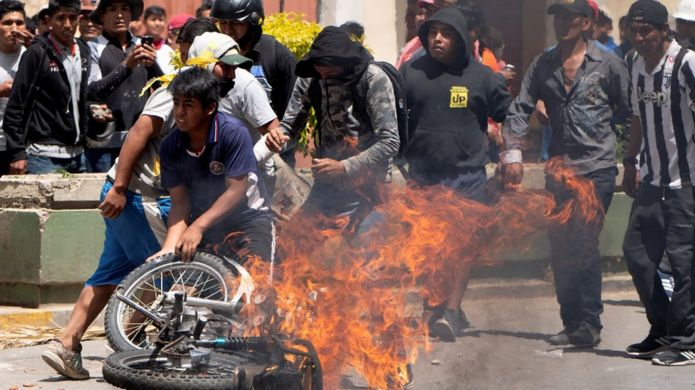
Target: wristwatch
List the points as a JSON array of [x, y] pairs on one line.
[[630, 161]]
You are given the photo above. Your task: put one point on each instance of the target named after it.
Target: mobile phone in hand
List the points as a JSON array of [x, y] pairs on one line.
[[147, 40]]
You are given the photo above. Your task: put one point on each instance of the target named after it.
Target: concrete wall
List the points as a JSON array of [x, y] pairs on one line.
[[46, 255], [383, 22], [51, 235]]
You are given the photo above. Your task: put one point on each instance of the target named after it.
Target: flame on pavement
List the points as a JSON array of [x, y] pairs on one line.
[[349, 295]]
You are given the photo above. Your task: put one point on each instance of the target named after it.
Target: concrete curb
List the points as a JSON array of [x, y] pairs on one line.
[[526, 288], [46, 316], [479, 289]]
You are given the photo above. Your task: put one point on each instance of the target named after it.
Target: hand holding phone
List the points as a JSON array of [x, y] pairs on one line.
[[147, 40]]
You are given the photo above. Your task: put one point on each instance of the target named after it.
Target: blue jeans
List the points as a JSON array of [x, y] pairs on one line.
[[129, 239], [575, 256], [101, 160], [545, 145], [41, 165]]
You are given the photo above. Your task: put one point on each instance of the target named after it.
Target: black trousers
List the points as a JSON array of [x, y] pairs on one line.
[[662, 221], [575, 255]]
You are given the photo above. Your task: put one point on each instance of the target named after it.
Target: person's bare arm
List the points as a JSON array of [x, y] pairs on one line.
[[228, 201], [142, 131], [270, 125], [180, 210]]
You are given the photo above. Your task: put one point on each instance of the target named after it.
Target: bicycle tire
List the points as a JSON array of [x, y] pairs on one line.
[[146, 369], [116, 310]]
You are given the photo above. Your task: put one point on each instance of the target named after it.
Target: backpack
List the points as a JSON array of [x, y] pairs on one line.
[[359, 97]]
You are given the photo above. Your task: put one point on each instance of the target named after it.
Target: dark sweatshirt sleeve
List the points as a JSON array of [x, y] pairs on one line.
[[297, 113], [100, 89], [21, 98], [516, 123], [498, 97], [381, 108], [282, 91]]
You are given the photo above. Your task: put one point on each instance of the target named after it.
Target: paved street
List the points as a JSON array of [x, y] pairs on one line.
[[506, 350]]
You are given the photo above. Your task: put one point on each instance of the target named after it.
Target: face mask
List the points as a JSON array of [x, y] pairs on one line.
[[225, 87]]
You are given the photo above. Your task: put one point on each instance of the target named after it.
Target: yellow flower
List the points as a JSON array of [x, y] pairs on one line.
[[165, 80]]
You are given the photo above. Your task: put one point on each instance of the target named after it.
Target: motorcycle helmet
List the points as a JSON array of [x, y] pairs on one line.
[[240, 10]]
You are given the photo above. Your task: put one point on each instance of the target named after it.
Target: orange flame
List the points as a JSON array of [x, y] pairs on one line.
[[350, 296]]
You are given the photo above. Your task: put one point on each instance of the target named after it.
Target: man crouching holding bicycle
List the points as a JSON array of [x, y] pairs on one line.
[[209, 169]]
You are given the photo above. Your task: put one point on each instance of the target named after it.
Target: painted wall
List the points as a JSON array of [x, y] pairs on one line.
[[173, 7], [615, 9], [384, 22], [385, 27]]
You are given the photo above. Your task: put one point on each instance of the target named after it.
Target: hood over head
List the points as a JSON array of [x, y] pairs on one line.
[[454, 18], [333, 46]]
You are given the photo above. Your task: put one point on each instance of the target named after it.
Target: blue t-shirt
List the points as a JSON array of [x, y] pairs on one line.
[[228, 153]]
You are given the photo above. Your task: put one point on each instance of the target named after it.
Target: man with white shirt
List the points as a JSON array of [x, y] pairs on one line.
[[12, 32], [662, 220]]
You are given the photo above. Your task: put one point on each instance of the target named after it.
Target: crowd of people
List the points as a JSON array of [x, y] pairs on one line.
[[189, 152]]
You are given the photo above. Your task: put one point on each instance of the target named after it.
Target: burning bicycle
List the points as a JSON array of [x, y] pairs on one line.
[[184, 325]]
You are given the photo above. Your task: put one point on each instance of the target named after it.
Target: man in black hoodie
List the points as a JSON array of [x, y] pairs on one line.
[[357, 130], [450, 97], [45, 119]]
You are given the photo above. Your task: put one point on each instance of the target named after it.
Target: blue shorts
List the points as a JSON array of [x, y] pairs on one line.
[[130, 239]]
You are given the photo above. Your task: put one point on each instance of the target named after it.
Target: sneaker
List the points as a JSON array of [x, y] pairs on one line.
[[585, 336], [66, 363], [674, 357], [649, 347], [446, 327]]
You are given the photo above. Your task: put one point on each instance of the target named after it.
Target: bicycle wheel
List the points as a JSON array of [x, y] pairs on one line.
[[146, 369], [205, 277]]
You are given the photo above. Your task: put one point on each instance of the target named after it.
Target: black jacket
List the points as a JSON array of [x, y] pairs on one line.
[[449, 107], [119, 87], [39, 109], [278, 64]]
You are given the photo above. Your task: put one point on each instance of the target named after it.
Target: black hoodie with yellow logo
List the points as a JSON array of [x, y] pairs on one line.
[[449, 107]]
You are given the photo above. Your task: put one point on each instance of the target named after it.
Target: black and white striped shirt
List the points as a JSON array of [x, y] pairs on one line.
[[667, 116]]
